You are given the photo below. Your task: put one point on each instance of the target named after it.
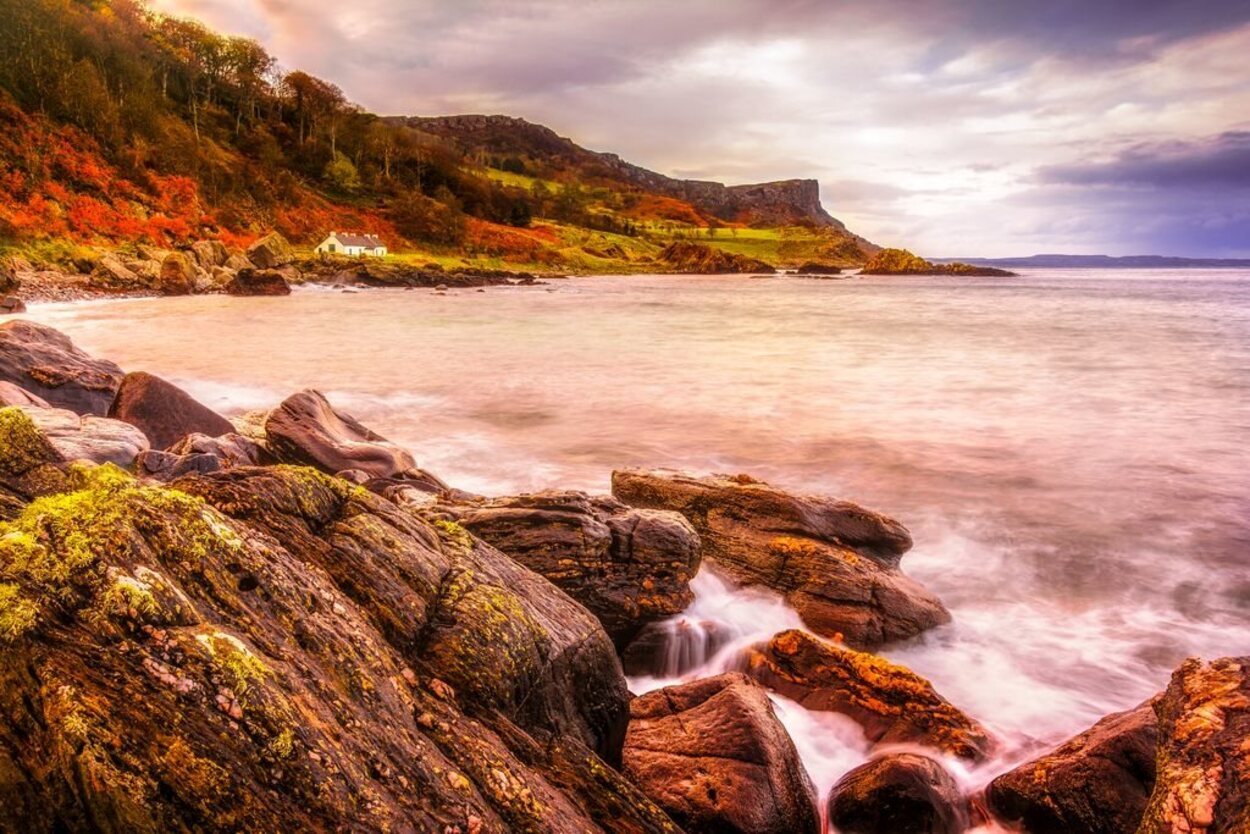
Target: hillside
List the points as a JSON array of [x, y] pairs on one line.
[[120, 127]]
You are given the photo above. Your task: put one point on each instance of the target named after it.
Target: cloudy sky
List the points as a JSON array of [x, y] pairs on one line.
[[953, 127]]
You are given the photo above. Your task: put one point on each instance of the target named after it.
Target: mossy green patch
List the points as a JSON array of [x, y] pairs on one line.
[[22, 445], [235, 660]]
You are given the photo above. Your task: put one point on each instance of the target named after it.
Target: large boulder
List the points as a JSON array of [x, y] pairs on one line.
[[201, 454], [1202, 785], [257, 282], [893, 704], [11, 394], [178, 275], [628, 567], [254, 650], [270, 252], [306, 429], [45, 363], [835, 562], [900, 792], [714, 756], [89, 438], [1098, 782], [209, 253], [111, 273], [163, 411], [29, 464]]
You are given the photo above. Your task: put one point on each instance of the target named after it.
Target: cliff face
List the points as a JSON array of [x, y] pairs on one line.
[[786, 202]]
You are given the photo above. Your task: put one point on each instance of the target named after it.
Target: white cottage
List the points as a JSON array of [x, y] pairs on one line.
[[355, 246]]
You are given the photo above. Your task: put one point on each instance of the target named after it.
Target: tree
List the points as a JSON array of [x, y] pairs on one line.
[[342, 174]]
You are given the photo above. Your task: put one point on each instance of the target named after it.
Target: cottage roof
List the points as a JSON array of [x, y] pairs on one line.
[[367, 241]]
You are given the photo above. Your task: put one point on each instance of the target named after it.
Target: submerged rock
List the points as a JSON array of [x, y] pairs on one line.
[[46, 363], [254, 282], [277, 650], [835, 562], [306, 429], [714, 756], [163, 411], [892, 703], [1203, 780], [1098, 782], [900, 792], [628, 567]]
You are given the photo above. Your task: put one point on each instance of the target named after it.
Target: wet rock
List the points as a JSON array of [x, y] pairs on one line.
[[200, 454], [94, 439], [902, 792], [11, 305], [835, 562], [306, 429], [163, 411], [674, 647], [11, 394], [46, 363], [714, 756], [1202, 783], [892, 703], [178, 275], [191, 670], [816, 268], [628, 567], [1098, 782], [270, 252], [258, 282]]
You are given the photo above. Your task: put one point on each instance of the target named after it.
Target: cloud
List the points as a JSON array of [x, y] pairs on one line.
[[926, 122]]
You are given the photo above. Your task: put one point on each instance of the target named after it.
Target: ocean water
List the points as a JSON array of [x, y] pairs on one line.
[[1070, 449]]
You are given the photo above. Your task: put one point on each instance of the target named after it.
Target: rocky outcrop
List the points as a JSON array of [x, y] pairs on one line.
[[835, 562], [163, 411], [893, 704], [1098, 782], [271, 252], [902, 262], [10, 394], [901, 792], [178, 275], [1202, 783], [201, 454], [628, 567], [46, 363], [306, 429], [714, 756], [258, 282], [209, 254], [111, 273], [89, 438], [29, 464], [276, 650], [11, 305], [695, 258], [816, 268]]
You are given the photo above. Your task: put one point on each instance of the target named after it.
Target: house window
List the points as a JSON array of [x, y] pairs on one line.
[[332, 247]]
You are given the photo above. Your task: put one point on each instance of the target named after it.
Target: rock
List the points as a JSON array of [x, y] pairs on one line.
[[270, 251], [94, 439], [893, 704], [45, 362], [254, 650], [1203, 760], [11, 269], [209, 253], [201, 454], [628, 567], [149, 272], [901, 792], [110, 272], [251, 282], [1098, 782], [163, 411], [221, 276], [675, 647], [835, 562], [29, 465], [688, 257], [815, 268], [11, 305], [178, 275], [11, 394], [902, 262], [714, 756], [306, 429], [237, 262]]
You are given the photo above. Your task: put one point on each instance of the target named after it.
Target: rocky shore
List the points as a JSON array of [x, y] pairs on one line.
[[270, 266], [281, 622]]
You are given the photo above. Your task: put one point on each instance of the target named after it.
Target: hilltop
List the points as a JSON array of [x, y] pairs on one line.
[[120, 127]]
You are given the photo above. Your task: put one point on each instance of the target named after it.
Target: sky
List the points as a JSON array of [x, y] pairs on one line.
[[950, 127]]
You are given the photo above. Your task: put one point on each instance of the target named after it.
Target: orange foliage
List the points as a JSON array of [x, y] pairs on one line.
[[519, 245], [656, 207]]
